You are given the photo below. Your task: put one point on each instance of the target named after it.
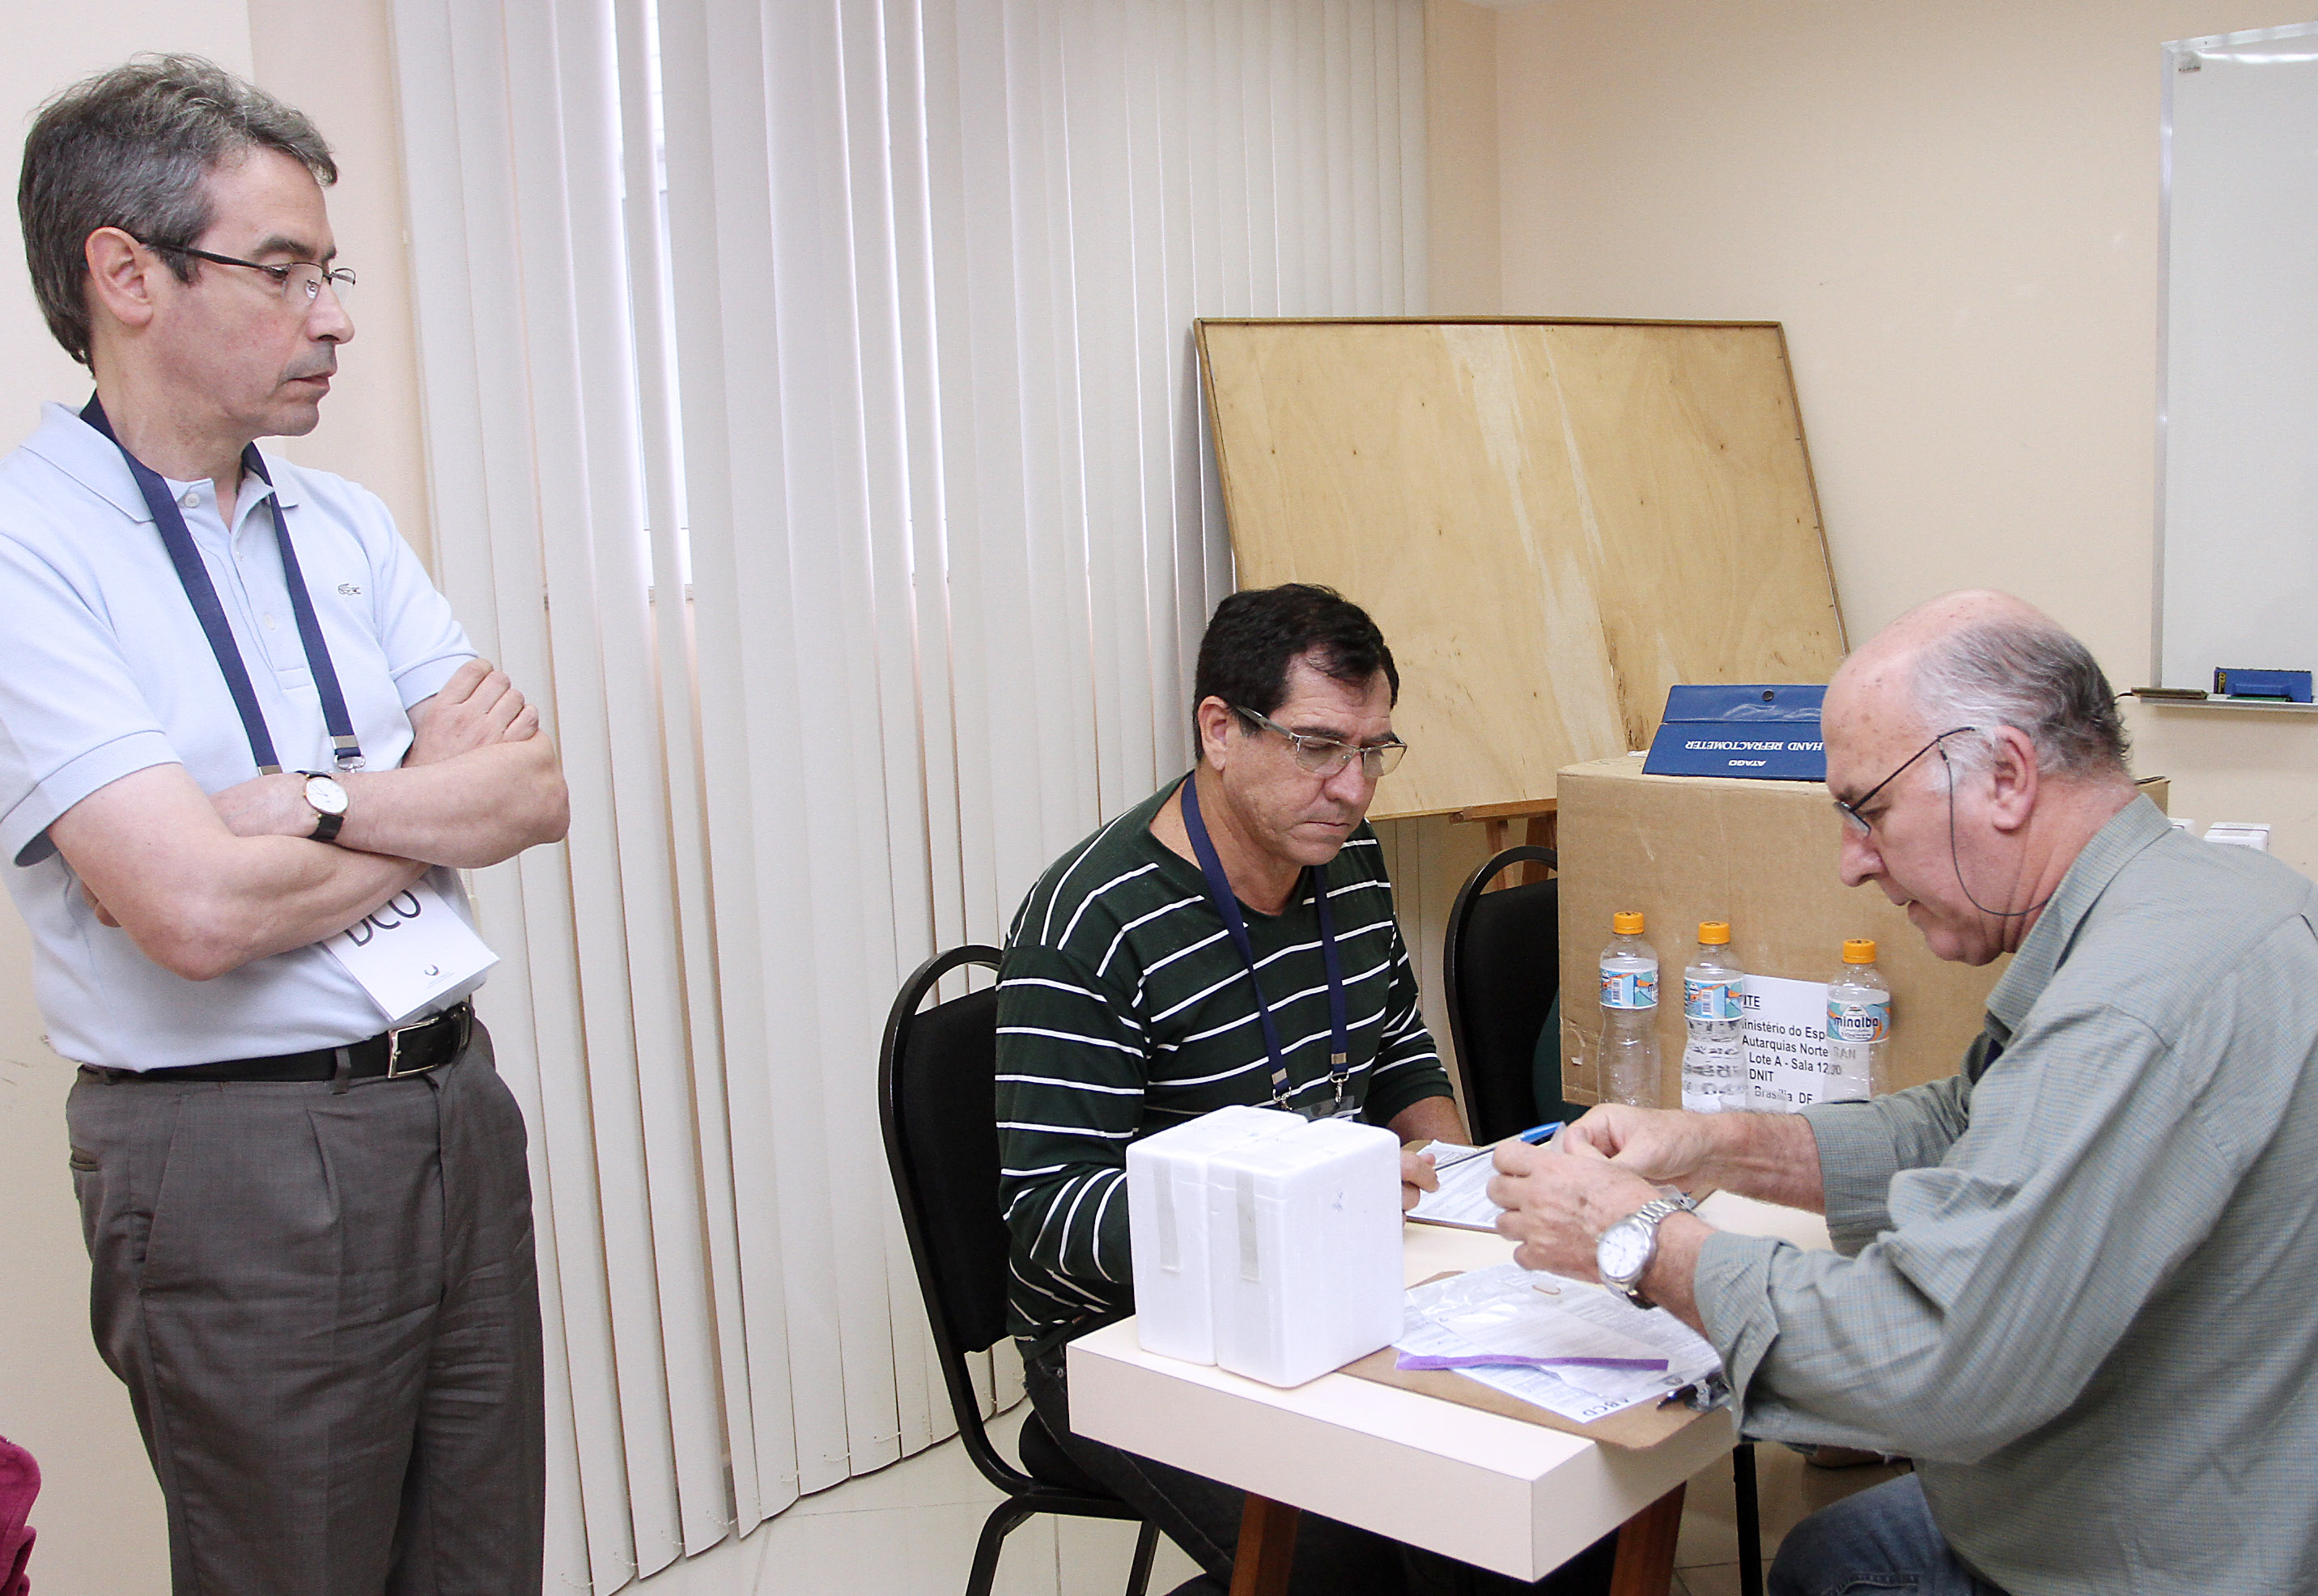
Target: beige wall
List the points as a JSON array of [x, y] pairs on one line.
[[1464, 260], [335, 62], [99, 1514], [1953, 208]]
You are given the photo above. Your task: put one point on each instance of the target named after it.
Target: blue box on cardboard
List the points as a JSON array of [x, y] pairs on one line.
[[1765, 732]]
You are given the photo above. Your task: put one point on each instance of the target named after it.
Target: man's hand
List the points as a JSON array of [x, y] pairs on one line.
[[1427, 1119], [266, 806], [104, 915], [1665, 1145], [1557, 1204], [1416, 1177], [476, 708], [1773, 1158]]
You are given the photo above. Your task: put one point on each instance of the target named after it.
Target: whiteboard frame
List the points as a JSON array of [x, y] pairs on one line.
[[2171, 56]]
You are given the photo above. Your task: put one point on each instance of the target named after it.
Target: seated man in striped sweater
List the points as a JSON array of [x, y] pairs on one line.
[[1228, 940]]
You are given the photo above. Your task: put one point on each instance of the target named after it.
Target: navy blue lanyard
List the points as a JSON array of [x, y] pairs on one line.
[[194, 577], [1226, 901]]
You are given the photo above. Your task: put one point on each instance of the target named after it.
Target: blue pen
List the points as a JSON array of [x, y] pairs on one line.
[[1533, 1136]]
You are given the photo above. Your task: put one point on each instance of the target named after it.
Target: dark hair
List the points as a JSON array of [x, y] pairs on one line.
[[1255, 636], [132, 148]]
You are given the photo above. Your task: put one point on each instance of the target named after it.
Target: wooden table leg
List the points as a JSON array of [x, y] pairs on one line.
[[1267, 1546], [1645, 1565]]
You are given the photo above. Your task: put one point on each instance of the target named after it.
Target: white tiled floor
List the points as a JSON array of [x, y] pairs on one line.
[[910, 1530]]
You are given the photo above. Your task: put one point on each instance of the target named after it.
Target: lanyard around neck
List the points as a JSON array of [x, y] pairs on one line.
[[202, 593], [1226, 901]]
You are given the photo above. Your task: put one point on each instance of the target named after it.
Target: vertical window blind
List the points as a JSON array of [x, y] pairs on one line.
[[814, 432]]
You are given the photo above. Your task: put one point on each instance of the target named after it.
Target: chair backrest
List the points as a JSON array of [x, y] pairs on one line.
[[1502, 967], [937, 1103]]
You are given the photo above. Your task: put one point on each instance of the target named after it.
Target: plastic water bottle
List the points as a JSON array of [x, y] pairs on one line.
[[1714, 1064], [1859, 1026], [1629, 1016]]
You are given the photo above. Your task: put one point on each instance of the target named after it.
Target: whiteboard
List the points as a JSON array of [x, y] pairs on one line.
[[2237, 546]]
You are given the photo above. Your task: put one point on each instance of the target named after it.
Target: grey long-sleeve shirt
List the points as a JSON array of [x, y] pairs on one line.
[[2079, 1283]]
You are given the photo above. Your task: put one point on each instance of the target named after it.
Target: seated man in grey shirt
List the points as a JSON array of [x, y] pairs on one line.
[[2072, 1282]]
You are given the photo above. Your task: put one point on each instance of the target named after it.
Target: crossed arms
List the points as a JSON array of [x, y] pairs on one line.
[[206, 882]]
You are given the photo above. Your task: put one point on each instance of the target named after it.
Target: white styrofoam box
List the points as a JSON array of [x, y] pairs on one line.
[[1306, 1233], [1167, 1226], [2253, 834]]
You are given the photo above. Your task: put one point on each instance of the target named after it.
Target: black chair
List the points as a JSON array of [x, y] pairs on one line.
[[1502, 967], [937, 1101]]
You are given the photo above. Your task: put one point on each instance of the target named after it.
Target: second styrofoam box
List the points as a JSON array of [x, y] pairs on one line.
[[1305, 1232], [1167, 1216]]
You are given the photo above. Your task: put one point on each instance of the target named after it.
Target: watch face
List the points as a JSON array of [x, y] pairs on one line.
[[1625, 1251], [326, 795]]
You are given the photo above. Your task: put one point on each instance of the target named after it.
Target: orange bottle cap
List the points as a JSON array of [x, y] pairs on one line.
[[1714, 933], [1859, 950], [1626, 923]]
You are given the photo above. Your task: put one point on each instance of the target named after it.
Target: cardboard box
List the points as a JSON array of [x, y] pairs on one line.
[[1762, 854]]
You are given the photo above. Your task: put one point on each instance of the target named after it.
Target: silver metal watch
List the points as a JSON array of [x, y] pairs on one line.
[[1623, 1254]]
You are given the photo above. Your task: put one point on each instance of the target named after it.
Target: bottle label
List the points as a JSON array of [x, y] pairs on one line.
[[1714, 1074], [1629, 989], [1859, 1022], [1713, 999]]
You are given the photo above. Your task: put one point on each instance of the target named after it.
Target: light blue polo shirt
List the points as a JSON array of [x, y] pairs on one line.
[[105, 671]]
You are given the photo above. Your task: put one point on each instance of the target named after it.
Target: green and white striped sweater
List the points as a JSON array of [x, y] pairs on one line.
[[1123, 1008]]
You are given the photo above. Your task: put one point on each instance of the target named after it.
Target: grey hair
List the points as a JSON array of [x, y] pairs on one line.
[[2032, 676], [132, 148]]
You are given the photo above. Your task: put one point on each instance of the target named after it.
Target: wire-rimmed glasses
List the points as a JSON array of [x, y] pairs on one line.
[[1325, 755]]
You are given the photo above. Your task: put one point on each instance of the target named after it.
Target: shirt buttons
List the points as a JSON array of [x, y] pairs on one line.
[[192, 499]]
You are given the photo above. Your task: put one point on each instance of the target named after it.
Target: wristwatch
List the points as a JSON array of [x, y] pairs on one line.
[[328, 801], [1622, 1256]]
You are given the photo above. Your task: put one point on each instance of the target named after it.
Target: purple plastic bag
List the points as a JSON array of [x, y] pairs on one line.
[[20, 1483]]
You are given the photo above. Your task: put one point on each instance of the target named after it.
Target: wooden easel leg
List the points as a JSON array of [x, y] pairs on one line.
[[1645, 1565], [1267, 1547]]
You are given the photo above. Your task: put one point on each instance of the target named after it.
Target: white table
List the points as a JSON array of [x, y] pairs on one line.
[[1511, 1496]]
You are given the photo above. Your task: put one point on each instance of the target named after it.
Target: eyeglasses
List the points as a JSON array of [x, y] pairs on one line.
[[1325, 755], [1851, 811], [300, 282]]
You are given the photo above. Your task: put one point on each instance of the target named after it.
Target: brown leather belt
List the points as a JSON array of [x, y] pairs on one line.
[[406, 1050]]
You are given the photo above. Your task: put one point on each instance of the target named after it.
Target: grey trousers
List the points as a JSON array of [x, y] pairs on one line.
[[326, 1309]]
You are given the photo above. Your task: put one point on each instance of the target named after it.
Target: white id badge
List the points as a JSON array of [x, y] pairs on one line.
[[411, 950]]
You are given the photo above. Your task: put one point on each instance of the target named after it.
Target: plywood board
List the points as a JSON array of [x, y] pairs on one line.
[[1553, 522]]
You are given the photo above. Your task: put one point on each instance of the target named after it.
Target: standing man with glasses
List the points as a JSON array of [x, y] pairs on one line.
[[2072, 1281], [240, 720], [1229, 940]]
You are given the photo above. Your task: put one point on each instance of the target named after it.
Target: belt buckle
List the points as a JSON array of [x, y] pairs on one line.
[[395, 1033]]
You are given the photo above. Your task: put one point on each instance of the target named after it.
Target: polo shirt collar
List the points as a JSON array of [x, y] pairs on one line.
[[2115, 844], [94, 461]]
